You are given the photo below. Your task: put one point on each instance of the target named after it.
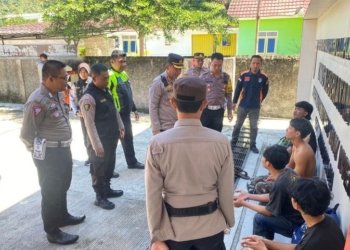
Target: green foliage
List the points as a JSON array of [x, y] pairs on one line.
[[20, 6], [76, 19]]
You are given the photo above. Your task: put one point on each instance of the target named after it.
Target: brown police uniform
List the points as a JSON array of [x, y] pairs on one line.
[[219, 98], [162, 115], [45, 119], [197, 72], [187, 167]]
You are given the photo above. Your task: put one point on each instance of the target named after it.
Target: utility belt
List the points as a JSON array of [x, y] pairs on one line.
[[58, 144], [205, 209], [215, 107]]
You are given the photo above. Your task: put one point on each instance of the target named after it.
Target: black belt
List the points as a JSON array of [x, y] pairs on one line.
[[208, 208]]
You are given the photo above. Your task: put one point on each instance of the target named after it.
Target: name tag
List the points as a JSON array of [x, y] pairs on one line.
[[247, 78], [39, 148]]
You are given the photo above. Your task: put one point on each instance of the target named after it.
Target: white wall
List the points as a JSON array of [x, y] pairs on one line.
[[335, 22], [155, 44], [331, 24]]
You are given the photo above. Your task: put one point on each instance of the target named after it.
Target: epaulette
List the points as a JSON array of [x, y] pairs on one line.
[[164, 80]]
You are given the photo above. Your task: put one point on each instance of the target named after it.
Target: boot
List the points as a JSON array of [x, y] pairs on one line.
[[111, 193], [102, 202]]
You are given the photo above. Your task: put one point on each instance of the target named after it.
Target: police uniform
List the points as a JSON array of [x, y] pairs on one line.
[[163, 116], [77, 91], [122, 95], [46, 122], [197, 71], [250, 91], [219, 97], [189, 180], [102, 122]]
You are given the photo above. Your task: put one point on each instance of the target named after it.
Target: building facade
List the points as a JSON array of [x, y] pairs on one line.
[[324, 80]]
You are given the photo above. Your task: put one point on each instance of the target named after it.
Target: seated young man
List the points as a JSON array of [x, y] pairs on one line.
[[311, 198], [303, 109], [278, 216]]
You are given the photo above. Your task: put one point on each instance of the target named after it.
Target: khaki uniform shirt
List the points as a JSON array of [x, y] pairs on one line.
[[188, 166], [219, 93], [162, 115], [89, 120], [197, 72], [45, 117]]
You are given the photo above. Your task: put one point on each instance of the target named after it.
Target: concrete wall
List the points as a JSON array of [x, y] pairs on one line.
[[283, 74], [23, 79]]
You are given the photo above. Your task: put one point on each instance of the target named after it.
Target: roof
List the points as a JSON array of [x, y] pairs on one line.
[[268, 8], [23, 30]]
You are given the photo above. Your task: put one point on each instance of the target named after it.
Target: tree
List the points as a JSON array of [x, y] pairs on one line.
[[148, 16], [76, 19]]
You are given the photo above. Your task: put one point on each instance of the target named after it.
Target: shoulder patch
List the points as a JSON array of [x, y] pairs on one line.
[[87, 107], [36, 109]]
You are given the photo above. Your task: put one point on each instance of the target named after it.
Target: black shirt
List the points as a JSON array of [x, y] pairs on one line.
[[325, 235], [280, 197]]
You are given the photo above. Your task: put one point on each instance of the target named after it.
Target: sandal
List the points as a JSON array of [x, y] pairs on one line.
[[239, 173]]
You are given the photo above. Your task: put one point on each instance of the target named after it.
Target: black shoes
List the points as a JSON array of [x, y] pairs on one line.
[[115, 175], [137, 165], [104, 203], [110, 193], [254, 149], [61, 238], [239, 173], [72, 220], [87, 163]]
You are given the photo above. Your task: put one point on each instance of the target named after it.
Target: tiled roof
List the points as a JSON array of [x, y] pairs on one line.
[[23, 30], [268, 8]]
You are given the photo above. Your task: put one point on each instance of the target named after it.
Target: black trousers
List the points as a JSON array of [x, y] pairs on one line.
[[55, 175], [213, 119], [128, 140], [215, 242], [101, 168]]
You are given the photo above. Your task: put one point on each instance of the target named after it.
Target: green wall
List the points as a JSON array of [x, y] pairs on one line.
[[288, 40]]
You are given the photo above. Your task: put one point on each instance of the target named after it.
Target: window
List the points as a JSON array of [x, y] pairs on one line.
[[267, 42], [129, 44]]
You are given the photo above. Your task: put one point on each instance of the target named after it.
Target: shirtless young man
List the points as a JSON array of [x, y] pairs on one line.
[[302, 159]]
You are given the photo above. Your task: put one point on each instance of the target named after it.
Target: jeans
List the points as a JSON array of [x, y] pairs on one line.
[[242, 114], [267, 226]]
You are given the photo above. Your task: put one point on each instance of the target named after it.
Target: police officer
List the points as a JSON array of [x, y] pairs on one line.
[[122, 95], [104, 126], [219, 94], [162, 115], [189, 177], [197, 68], [77, 91], [47, 133], [252, 88]]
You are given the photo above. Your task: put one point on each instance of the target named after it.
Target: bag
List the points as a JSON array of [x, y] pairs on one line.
[[299, 232]]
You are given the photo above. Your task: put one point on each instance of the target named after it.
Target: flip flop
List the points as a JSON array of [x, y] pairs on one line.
[[239, 173]]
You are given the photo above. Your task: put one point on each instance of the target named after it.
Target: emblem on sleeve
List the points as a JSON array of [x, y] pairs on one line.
[[36, 109], [87, 107]]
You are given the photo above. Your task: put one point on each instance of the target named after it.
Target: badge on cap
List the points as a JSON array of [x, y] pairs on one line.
[[87, 107]]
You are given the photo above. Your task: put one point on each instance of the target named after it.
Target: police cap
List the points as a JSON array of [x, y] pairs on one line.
[[198, 55], [190, 88], [176, 60]]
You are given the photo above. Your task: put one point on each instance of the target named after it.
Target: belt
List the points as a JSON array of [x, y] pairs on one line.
[[58, 144], [214, 107], [208, 208]]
